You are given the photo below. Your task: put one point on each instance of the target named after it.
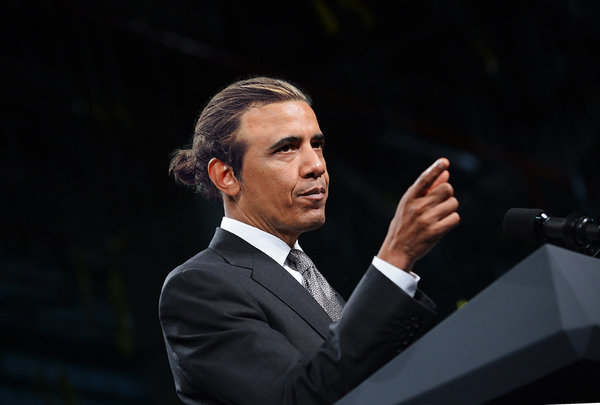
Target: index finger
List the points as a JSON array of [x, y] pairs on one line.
[[427, 178]]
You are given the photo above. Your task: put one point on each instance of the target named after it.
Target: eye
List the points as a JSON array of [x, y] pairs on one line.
[[285, 148], [319, 144]]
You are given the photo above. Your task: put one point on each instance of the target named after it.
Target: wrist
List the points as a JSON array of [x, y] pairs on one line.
[[399, 260]]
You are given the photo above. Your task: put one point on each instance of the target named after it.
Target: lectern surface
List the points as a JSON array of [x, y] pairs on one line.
[[532, 335]]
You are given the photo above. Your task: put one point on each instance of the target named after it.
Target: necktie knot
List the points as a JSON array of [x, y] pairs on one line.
[[298, 260]]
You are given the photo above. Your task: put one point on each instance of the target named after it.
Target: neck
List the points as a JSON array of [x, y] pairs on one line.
[[234, 212]]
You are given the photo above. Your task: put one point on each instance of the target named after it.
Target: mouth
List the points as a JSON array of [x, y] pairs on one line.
[[315, 193]]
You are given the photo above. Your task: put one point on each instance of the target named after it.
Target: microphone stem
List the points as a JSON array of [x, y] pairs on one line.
[[592, 232], [554, 227]]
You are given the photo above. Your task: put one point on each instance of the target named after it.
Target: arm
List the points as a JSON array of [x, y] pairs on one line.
[[221, 344]]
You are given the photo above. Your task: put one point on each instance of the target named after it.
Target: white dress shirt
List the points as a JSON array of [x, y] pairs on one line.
[[278, 250]]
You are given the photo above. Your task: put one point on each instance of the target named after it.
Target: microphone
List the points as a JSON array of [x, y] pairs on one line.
[[577, 231]]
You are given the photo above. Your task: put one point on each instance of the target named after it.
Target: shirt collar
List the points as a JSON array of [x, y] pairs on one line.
[[267, 243]]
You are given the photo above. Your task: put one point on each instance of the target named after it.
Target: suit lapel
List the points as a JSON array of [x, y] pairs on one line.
[[272, 277]]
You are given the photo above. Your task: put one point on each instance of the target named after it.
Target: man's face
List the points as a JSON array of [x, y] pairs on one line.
[[284, 181]]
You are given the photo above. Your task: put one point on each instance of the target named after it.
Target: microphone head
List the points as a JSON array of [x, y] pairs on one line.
[[520, 223]]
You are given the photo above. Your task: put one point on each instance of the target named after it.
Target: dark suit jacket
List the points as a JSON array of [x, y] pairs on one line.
[[240, 329]]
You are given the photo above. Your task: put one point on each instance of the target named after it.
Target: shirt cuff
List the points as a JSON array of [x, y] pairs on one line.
[[406, 281]]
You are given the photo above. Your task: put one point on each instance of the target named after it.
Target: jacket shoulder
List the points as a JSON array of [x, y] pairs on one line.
[[207, 262]]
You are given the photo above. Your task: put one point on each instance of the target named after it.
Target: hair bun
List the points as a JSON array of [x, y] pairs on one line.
[[183, 167]]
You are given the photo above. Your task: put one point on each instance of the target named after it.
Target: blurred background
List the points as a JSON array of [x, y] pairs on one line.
[[96, 95]]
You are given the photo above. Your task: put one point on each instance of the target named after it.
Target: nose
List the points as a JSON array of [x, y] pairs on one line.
[[313, 163]]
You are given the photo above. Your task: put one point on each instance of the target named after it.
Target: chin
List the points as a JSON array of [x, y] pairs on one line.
[[314, 222]]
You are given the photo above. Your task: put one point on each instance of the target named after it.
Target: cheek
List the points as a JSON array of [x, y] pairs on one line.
[[275, 190], [271, 185], [282, 184]]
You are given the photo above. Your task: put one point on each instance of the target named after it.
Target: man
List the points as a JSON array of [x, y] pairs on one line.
[[250, 320]]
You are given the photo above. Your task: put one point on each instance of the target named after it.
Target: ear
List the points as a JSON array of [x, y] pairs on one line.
[[222, 176]]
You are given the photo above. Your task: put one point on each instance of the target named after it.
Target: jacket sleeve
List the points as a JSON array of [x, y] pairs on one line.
[[221, 346]]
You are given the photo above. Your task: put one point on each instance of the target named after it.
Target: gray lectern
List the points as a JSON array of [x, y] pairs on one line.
[[533, 336]]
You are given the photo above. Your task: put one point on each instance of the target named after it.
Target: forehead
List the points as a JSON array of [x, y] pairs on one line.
[[277, 120]]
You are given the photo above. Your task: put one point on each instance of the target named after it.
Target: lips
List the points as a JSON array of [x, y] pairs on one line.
[[315, 192]]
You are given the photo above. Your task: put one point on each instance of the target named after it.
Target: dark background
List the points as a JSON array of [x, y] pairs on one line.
[[95, 97]]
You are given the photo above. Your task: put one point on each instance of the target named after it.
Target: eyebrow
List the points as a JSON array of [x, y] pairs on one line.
[[294, 139]]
